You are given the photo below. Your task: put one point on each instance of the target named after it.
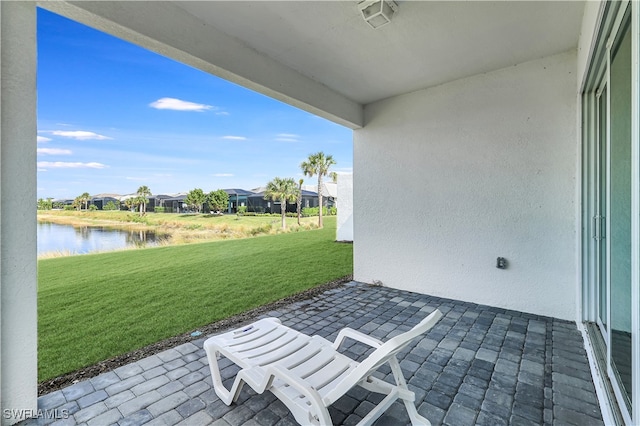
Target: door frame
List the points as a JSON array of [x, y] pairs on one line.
[[597, 78]]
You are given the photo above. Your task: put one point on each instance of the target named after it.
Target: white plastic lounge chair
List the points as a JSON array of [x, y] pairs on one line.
[[308, 374]]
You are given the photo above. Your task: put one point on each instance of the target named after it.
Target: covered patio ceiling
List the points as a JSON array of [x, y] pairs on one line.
[[321, 56], [427, 43]]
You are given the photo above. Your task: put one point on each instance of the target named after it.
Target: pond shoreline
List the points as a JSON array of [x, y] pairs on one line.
[[59, 240], [78, 222], [177, 229]]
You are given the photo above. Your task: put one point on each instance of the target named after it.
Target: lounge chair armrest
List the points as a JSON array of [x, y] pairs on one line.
[[356, 335]]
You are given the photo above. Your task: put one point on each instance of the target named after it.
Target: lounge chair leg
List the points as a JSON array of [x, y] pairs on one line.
[[225, 395], [379, 409], [323, 418], [416, 419]]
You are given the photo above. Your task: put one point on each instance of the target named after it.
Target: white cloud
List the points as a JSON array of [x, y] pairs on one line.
[[43, 139], [79, 135], [222, 113], [287, 137], [234, 138], [69, 165], [179, 105], [54, 151], [223, 175]]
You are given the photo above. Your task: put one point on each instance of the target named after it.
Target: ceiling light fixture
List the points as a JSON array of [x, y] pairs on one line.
[[377, 13]]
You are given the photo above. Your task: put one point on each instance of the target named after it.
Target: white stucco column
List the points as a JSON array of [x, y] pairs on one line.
[[344, 231], [18, 258]]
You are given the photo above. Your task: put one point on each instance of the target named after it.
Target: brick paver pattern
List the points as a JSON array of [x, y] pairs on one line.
[[479, 365]]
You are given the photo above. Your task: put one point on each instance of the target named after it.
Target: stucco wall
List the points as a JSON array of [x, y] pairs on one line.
[[344, 231], [449, 178], [18, 266]]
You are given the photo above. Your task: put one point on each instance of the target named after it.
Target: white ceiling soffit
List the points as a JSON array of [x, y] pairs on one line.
[[427, 43], [322, 57]]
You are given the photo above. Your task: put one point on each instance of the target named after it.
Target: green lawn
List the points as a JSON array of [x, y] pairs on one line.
[[93, 307]]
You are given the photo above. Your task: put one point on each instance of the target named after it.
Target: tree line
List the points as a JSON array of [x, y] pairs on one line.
[[284, 190], [196, 198], [216, 200]]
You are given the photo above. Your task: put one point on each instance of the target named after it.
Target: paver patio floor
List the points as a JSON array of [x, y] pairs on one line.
[[478, 365]]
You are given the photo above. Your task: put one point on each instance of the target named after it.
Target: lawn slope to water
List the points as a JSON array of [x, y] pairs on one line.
[[93, 307]]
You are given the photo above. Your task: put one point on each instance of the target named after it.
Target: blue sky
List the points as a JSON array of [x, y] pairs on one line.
[[113, 116]]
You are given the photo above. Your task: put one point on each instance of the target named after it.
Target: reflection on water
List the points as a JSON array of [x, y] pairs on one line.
[[53, 237]]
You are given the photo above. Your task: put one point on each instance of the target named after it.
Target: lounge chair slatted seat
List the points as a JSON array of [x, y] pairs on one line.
[[308, 373]]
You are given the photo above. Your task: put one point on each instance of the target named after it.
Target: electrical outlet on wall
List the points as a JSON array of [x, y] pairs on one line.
[[501, 263]]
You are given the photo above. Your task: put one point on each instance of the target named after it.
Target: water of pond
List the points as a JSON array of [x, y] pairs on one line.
[[55, 238]]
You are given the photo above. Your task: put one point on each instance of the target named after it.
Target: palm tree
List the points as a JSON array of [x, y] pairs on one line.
[[130, 203], [84, 199], [318, 164], [143, 193], [282, 190], [299, 201], [77, 202]]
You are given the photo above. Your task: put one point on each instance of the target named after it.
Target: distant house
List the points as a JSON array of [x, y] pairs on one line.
[[257, 203], [124, 198], [63, 201], [237, 197], [329, 193], [159, 201], [151, 203], [173, 203], [253, 200], [98, 200], [101, 200]]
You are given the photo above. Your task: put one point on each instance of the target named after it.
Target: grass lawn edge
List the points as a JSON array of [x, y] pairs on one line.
[[51, 385]]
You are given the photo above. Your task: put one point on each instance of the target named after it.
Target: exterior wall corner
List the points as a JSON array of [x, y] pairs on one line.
[[18, 264]]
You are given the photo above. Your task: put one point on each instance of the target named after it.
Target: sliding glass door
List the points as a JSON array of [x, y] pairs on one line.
[[599, 218], [608, 112], [618, 182]]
